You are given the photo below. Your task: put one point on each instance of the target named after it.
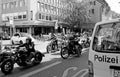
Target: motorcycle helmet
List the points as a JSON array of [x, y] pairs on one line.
[[28, 39], [71, 38]]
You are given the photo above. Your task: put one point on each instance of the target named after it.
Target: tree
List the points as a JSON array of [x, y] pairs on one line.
[[77, 13]]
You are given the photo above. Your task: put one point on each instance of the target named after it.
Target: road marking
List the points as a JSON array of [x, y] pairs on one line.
[[41, 69], [85, 50], [86, 72], [83, 70], [67, 70], [65, 73]]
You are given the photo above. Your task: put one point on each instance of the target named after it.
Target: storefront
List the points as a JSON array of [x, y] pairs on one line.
[[34, 27], [63, 27]]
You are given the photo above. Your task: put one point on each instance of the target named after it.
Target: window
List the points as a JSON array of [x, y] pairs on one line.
[[7, 5], [11, 5], [50, 18], [21, 3], [24, 16], [31, 12], [92, 11], [48, 8], [14, 3], [42, 7], [19, 16], [47, 18], [57, 11], [94, 2], [15, 17], [43, 16], [38, 5], [107, 38], [52, 9], [40, 17], [3, 6], [17, 4]]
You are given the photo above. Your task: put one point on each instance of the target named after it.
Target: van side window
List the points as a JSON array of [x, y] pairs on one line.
[[107, 38]]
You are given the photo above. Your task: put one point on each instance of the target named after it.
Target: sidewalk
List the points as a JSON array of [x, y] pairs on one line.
[[41, 46]]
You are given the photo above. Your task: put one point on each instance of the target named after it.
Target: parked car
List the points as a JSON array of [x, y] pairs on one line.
[[4, 36], [19, 38]]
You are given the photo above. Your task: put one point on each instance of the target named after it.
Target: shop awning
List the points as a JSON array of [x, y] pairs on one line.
[[34, 23]]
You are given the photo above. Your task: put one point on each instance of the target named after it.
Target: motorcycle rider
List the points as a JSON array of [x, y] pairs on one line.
[[55, 41], [73, 42], [29, 45]]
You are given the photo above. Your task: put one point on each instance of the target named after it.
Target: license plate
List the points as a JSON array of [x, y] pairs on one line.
[[116, 73]]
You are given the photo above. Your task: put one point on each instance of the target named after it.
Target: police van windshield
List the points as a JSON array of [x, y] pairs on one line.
[[107, 38]]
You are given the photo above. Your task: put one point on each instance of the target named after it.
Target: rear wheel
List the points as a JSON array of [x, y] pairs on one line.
[[7, 66], [64, 53]]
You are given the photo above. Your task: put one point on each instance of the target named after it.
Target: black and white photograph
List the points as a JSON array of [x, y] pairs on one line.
[[59, 38]]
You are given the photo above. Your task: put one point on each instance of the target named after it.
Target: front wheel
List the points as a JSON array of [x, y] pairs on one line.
[[64, 53], [78, 51], [7, 66], [49, 49], [38, 58]]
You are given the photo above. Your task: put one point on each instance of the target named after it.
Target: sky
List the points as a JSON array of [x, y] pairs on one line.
[[115, 5]]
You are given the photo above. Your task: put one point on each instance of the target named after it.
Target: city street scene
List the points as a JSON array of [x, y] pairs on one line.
[[59, 38]]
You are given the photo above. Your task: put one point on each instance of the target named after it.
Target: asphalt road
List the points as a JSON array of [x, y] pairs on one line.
[[53, 65]]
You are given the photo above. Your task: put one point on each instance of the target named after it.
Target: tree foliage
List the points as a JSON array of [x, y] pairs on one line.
[[77, 15]]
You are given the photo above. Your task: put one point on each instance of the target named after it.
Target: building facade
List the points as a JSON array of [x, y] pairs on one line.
[[96, 10], [31, 16]]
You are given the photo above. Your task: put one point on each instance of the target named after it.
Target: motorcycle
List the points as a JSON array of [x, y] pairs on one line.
[[85, 43], [52, 46], [11, 55], [67, 50]]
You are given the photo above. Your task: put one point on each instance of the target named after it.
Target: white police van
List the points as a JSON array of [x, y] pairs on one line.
[[104, 53]]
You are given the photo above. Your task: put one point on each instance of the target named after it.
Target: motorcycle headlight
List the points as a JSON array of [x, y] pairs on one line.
[[90, 67]]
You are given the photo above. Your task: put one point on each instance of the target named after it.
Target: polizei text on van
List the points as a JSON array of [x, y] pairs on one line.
[[105, 58]]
